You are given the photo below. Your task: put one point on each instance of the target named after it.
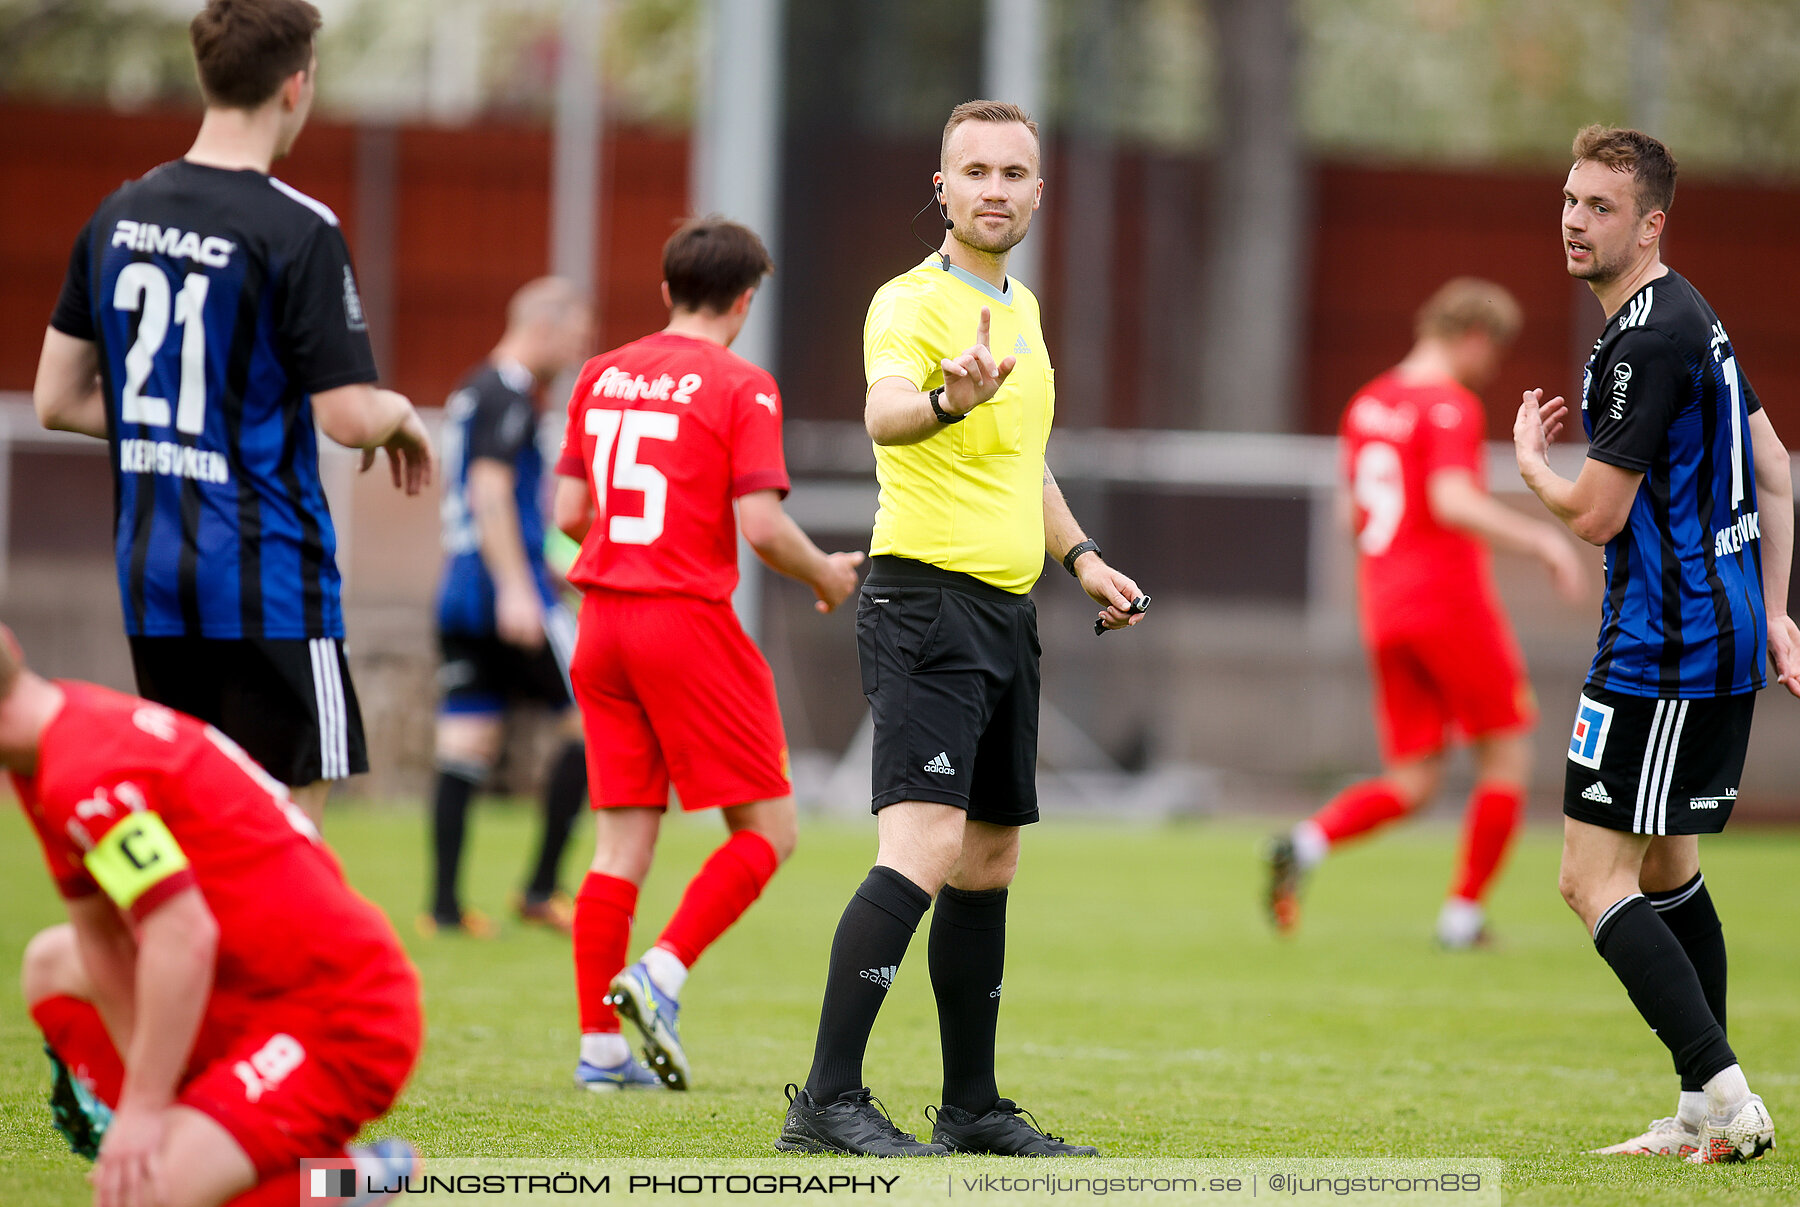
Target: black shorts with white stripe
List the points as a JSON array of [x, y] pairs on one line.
[[289, 703], [1648, 766]]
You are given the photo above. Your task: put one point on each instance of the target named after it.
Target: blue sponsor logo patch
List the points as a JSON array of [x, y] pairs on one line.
[[1588, 743]]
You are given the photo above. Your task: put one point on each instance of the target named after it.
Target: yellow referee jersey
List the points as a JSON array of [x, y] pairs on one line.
[[968, 498]]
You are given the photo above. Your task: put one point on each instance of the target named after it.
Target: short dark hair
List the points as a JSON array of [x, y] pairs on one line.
[[710, 261], [244, 49], [1651, 166]]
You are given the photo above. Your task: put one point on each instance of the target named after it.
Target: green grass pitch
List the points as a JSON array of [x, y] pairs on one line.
[[1148, 1010]]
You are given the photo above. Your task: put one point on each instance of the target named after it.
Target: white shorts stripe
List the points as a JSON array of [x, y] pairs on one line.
[[1660, 770], [340, 721], [319, 707], [1668, 771], [1638, 820], [328, 693]]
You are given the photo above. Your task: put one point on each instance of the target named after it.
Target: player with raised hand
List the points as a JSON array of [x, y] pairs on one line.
[[209, 315], [229, 1005], [1444, 659], [666, 435], [947, 639], [1689, 489]]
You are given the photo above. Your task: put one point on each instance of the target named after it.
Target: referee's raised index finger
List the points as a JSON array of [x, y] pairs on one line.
[[981, 327]]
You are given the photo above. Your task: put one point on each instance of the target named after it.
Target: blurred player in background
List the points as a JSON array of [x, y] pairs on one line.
[[665, 435], [220, 1005], [209, 315], [947, 638], [502, 631], [1689, 488], [1444, 658]]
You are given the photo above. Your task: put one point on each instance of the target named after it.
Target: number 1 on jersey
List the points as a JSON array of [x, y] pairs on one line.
[[628, 429], [1737, 432]]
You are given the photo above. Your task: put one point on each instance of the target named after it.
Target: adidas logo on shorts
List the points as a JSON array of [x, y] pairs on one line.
[[940, 765], [881, 976], [1597, 792]]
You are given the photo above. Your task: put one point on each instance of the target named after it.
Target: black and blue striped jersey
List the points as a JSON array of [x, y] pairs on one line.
[[492, 416], [221, 301], [1663, 395]]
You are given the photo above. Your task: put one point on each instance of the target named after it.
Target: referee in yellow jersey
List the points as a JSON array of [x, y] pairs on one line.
[[947, 638]]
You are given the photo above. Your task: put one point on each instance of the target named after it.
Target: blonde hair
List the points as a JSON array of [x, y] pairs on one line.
[[547, 299], [1000, 112], [1469, 304]]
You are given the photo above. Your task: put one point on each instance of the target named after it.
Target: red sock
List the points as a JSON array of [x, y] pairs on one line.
[[73, 1029], [1488, 830], [731, 878], [1359, 809], [603, 910]]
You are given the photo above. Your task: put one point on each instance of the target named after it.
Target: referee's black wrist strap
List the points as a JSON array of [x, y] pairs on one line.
[[943, 416], [1079, 548]]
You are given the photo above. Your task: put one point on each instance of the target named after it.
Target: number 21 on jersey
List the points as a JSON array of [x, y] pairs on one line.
[[144, 288], [628, 430]]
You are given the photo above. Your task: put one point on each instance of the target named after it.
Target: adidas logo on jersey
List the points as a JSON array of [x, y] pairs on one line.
[[1597, 792], [1021, 347], [940, 765], [881, 976]]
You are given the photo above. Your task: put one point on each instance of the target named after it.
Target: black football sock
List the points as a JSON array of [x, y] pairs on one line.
[[871, 940], [449, 821], [563, 795], [1689, 914], [967, 954], [1663, 986]]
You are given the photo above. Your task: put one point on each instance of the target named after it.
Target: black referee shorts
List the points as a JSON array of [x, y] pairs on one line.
[[950, 670], [1641, 765], [289, 703]]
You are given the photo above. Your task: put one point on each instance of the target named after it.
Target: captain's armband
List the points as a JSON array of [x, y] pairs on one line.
[[135, 857]]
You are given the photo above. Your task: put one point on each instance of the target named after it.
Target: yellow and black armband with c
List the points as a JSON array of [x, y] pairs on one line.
[[138, 864]]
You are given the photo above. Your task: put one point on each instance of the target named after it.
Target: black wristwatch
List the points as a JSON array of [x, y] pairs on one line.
[[1079, 548], [943, 416]]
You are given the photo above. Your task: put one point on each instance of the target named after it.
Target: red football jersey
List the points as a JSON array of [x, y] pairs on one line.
[[140, 801], [667, 432], [1413, 572]]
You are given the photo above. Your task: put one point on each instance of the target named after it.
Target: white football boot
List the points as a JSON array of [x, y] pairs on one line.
[[1663, 1138], [1745, 1136]]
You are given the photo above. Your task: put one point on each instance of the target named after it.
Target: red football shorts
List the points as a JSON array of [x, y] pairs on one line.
[[1462, 680], [671, 690], [298, 1080]]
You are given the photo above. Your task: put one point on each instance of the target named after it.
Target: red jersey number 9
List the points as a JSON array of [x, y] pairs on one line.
[[1379, 487], [629, 429]]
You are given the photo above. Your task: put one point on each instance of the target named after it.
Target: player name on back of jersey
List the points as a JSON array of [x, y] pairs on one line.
[[1381, 420], [172, 460], [170, 241], [615, 382]]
